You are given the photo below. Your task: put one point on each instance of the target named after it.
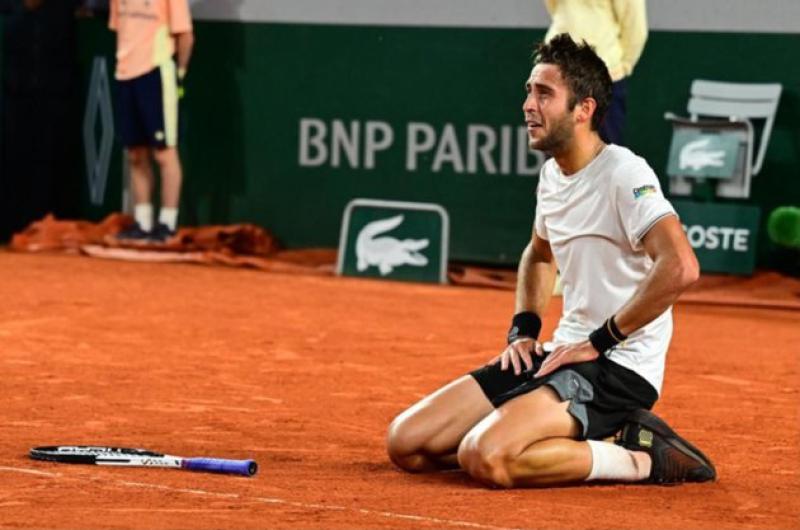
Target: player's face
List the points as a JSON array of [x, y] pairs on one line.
[[550, 122]]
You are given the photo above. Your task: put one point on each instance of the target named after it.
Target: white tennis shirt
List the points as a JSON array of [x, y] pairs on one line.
[[595, 220]]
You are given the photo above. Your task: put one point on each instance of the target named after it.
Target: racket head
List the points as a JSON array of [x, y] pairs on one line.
[[86, 454]]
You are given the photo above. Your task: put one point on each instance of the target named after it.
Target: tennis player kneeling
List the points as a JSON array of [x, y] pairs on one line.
[[533, 417]]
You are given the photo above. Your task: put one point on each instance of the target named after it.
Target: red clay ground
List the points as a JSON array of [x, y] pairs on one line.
[[304, 373]]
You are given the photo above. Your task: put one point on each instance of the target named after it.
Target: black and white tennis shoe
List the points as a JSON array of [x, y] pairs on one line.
[[675, 460]]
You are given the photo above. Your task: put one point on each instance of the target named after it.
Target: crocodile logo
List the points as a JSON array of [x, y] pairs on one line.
[[386, 252], [696, 156]]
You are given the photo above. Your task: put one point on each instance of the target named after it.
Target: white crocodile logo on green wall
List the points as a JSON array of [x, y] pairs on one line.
[[386, 252]]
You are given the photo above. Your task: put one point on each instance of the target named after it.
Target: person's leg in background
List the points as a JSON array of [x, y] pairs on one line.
[[142, 181], [165, 124], [169, 164], [136, 140], [613, 126]]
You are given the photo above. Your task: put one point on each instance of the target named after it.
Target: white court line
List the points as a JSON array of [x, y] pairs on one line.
[[29, 471], [274, 500]]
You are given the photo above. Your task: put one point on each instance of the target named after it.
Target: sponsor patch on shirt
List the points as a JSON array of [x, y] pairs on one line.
[[643, 191]]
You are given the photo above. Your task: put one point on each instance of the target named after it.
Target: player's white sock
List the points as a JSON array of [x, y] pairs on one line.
[[143, 214], [612, 462], [169, 217]]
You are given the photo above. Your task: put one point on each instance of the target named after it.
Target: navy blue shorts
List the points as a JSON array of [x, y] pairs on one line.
[[147, 109]]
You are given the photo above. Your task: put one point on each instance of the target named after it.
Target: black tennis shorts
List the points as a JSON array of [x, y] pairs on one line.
[[602, 393]]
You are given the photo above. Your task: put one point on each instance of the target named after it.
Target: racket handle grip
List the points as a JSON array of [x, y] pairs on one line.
[[221, 465]]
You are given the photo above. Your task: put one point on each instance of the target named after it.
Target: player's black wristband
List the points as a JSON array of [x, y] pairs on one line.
[[606, 336], [525, 324]]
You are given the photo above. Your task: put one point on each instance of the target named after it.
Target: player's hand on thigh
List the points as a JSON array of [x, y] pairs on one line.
[[518, 353], [577, 352]]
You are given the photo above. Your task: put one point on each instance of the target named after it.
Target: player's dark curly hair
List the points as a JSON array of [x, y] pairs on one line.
[[583, 70]]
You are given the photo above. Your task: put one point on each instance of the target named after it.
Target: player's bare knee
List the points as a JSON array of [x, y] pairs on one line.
[[465, 452], [413, 463], [399, 438], [492, 468], [404, 445], [469, 449], [486, 462]]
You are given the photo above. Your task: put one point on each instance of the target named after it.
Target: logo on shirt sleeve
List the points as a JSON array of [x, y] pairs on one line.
[[644, 191]]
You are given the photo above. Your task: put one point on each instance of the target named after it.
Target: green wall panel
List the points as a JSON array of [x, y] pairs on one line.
[[250, 84], [661, 82]]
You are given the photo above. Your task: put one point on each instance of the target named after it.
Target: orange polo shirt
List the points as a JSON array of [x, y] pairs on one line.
[[145, 33]]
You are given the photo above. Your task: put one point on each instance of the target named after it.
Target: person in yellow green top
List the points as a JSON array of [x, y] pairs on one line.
[[617, 30], [154, 46]]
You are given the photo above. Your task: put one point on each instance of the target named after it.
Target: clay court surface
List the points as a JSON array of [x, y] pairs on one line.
[[303, 373]]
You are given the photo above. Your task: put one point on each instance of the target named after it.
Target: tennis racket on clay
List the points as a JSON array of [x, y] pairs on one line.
[[123, 456]]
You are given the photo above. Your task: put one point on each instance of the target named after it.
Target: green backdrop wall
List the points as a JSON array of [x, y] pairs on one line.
[[251, 84]]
